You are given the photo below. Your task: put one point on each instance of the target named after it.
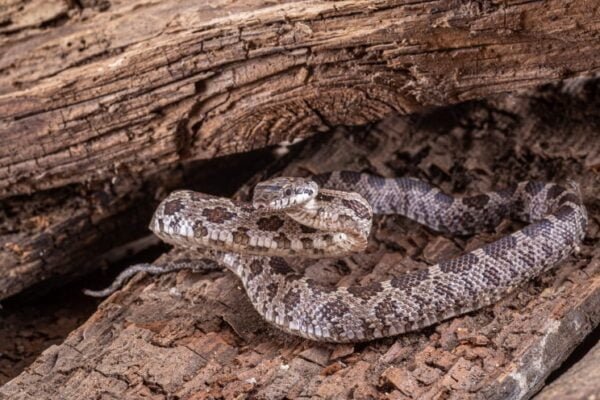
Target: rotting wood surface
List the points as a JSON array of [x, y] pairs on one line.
[[197, 336], [101, 101], [580, 382], [94, 90]]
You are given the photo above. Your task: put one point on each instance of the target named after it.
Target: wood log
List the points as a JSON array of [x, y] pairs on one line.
[[93, 90], [581, 381], [195, 336], [53, 237], [100, 101]]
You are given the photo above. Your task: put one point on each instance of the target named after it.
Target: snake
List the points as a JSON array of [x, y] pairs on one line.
[[331, 214]]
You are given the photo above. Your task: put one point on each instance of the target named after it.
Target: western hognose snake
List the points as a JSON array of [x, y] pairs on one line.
[[330, 215]]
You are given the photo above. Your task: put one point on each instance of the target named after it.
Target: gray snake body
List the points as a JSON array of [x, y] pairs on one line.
[[252, 244]]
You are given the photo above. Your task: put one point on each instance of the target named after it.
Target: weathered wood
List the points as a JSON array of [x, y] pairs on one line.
[[134, 86], [580, 382], [55, 236], [27, 327], [196, 336]]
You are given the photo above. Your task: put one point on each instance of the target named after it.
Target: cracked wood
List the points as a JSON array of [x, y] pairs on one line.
[[94, 93]]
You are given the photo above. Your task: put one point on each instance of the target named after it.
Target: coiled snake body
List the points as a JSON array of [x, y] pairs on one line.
[[330, 215]]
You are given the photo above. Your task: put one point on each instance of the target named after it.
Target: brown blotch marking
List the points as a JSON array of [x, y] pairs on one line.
[[318, 288], [385, 309], [528, 256], [282, 241], [342, 267], [500, 247], [413, 184], [200, 230], [240, 236], [291, 300], [468, 219], [271, 290], [459, 264], [173, 206], [359, 209], [217, 215], [161, 224], [519, 205], [280, 266], [270, 224], [448, 291], [420, 300], [174, 223], [547, 249], [491, 277], [365, 292], [409, 279], [307, 229], [349, 177], [336, 312], [554, 192], [533, 187], [478, 202], [256, 268]]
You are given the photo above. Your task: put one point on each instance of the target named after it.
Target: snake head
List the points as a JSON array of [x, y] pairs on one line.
[[283, 193]]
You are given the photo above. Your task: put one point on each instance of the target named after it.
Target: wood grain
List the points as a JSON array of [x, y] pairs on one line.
[[92, 93], [197, 336]]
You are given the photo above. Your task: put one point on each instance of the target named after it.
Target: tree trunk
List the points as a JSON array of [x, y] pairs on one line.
[[196, 336]]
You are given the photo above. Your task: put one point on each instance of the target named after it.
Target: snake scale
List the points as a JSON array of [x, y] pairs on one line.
[[331, 215]]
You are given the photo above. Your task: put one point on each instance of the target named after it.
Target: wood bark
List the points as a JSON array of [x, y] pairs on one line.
[[99, 100], [52, 237], [582, 381], [196, 336], [104, 105], [94, 90]]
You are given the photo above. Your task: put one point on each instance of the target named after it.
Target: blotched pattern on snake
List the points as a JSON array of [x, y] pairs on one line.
[[331, 215]]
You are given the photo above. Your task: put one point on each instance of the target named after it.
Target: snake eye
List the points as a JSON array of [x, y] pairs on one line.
[[288, 192]]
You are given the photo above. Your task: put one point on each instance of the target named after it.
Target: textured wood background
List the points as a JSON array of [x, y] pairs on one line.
[[106, 106], [196, 336], [143, 84]]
